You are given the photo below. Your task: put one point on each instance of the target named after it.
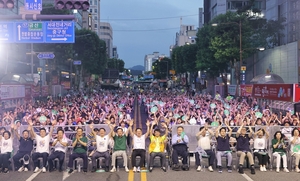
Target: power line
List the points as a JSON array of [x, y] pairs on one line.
[[145, 19], [162, 29]]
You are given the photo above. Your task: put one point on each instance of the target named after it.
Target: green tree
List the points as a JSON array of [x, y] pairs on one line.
[[161, 67], [114, 63]]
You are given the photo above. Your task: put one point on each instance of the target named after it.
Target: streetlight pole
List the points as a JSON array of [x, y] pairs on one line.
[[241, 53]]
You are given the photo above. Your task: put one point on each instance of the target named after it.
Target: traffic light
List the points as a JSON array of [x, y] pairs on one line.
[[9, 4], [72, 4]]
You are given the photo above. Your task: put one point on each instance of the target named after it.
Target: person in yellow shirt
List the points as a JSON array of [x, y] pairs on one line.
[[157, 146]]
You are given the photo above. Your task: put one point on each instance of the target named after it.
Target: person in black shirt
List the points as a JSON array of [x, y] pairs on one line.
[[243, 149], [21, 159]]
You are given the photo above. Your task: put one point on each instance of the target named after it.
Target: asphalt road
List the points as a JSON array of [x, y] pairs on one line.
[[156, 175]]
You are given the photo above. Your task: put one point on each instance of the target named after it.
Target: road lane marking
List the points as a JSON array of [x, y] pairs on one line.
[[66, 175], [143, 176], [130, 175], [247, 177], [33, 176]]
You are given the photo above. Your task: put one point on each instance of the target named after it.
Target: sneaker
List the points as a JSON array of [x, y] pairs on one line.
[[241, 170], [220, 169], [44, 170], [70, 171], [164, 169], [286, 170], [261, 168], [126, 169], [6, 170], [252, 170], [106, 169], [138, 169], [264, 167], [210, 169], [150, 169], [21, 169], [25, 169], [297, 169], [60, 170], [199, 168], [134, 169], [113, 169], [229, 169], [36, 169], [93, 169], [277, 170]]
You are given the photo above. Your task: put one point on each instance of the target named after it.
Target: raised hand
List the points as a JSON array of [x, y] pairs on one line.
[[30, 122], [131, 122], [148, 123]]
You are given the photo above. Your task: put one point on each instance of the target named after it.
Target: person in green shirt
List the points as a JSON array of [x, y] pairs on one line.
[[79, 145], [120, 145], [279, 151]]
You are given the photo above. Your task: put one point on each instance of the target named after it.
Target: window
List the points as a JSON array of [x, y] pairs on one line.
[[96, 10], [95, 26], [257, 5], [236, 4], [95, 2], [96, 18], [91, 10], [91, 2]]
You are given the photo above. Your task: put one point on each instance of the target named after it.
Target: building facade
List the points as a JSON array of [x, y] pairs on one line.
[[92, 17], [186, 35], [115, 52], [106, 34], [150, 58]]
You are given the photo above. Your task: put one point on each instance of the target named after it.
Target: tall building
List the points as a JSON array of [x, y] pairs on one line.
[[213, 8], [290, 9], [186, 35], [94, 14], [106, 34], [150, 58]]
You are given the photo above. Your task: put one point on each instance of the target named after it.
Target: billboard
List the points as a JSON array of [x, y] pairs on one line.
[[280, 92], [246, 90], [110, 74], [12, 91], [231, 90]]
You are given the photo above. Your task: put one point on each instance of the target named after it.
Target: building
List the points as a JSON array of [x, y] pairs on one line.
[[186, 35], [213, 8], [91, 18], [150, 58], [290, 9], [106, 34], [15, 10]]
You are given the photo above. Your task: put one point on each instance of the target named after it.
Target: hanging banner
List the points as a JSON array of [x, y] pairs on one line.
[[246, 90], [232, 89], [296, 93], [281, 92]]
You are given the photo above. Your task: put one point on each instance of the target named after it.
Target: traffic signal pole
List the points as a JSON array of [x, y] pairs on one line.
[[38, 17]]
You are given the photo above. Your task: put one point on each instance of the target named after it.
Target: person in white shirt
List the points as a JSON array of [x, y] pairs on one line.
[[42, 146], [102, 145], [260, 148], [295, 147], [139, 148], [59, 144], [6, 140], [204, 147]]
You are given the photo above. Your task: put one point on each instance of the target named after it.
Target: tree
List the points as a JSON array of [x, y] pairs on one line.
[[114, 63], [161, 67], [91, 51]]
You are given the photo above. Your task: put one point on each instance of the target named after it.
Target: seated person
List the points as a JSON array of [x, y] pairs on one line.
[[139, 147], [295, 144], [79, 145], [42, 146], [243, 149], [60, 144], [102, 147], [120, 146], [260, 148], [179, 144], [204, 147], [223, 147], [157, 147], [279, 151], [6, 147], [21, 159]]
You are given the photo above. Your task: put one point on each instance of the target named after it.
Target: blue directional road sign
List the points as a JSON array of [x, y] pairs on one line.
[[6, 32], [46, 55], [29, 32], [59, 32], [77, 62], [33, 5]]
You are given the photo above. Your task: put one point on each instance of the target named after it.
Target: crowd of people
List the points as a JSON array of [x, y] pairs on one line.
[[73, 126]]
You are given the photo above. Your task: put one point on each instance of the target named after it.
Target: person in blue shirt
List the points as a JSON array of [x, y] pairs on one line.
[[179, 144]]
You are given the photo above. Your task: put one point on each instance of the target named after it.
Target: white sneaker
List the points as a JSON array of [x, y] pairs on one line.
[[261, 168], [264, 167], [210, 169], [36, 169], [134, 169], [297, 169], [25, 169], [44, 170], [277, 170], [199, 168], [138, 169], [286, 170], [126, 169], [21, 169], [113, 169]]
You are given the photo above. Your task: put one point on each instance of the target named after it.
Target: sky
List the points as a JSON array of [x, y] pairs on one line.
[[130, 18]]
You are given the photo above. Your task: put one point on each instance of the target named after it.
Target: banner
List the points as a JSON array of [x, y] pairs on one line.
[[246, 90], [296, 93], [35, 91], [12, 91], [231, 90], [281, 92]]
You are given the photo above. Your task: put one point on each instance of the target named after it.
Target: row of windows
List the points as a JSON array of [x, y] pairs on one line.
[[95, 2], [240, 4], [105, 27], [104, 33], [95, 10], [295, 5], [295, 15]]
